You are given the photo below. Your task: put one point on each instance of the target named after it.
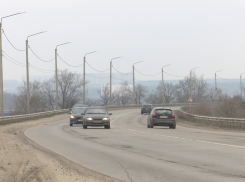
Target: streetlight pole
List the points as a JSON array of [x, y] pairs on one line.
[[84, 62], [216, 98], [111, 76], [163, 97], [1, 62], [56, 75], [191, 84], [134, 79], [241, 83], [27, 72]]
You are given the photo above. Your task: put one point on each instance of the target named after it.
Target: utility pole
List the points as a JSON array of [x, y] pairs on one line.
[[84, 61], [1, 62], [134, 79], [84, 73], [1, 69], [56, 75], [241, 84], [111, 77], [27, 79], [163, 97], [215, 88], [27, 72], [216, 96], [134, 84], [56, 80]]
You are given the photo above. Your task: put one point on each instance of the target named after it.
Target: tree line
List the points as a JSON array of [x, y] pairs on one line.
[[70, 87]]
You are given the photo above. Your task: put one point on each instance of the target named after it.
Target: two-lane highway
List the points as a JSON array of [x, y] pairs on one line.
[[132, 152]]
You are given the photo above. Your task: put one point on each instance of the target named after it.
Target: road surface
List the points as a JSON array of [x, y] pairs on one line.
[[132, 152]]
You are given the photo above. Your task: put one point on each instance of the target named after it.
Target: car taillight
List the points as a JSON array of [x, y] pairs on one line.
[[142, 108], [173, 115], [153, 115], [151, 108]]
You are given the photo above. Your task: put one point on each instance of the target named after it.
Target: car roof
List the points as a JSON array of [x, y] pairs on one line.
[[166, 108], [96, 107], [80, 107]]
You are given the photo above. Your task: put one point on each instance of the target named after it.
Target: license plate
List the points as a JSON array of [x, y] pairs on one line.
[[80, 120], [163, 116]]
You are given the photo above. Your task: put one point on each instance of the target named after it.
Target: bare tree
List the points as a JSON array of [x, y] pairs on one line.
[[124, 95], [198, 85], [38, 101], [104, 94], [140, 93]]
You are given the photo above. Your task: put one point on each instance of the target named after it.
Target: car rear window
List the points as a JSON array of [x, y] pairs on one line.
[[146, 106], [163, 111], [78, 110], [96, 111]]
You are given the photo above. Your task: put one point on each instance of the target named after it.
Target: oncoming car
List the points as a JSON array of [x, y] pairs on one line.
[[76, 115], [161, 116], [96, 116]]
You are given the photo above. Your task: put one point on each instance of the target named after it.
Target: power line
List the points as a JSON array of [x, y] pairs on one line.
[[147, 75], [120, 72], [39, 57], [175, 75], [97, 70], [11, 43], [67, 63], [12, 58], [13, 62], [224, 78]]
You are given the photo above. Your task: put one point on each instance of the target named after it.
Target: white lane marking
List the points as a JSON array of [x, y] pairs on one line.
[[167, 136]]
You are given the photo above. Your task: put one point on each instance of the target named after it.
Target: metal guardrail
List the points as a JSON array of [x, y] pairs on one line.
[[237, 123], [25, 117]]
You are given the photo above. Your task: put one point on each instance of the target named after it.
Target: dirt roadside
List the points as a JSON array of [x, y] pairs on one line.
[[22, 160]]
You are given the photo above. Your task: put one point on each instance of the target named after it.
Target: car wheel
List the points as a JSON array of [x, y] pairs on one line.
[[172, 127], [141, 112], [71, 124], [148, 126], [151, 126], [84, 127]]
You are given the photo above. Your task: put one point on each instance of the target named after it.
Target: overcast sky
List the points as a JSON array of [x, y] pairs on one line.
[[208, 34]]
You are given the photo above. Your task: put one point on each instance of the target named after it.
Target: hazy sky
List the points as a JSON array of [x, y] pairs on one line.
[[209, 34]]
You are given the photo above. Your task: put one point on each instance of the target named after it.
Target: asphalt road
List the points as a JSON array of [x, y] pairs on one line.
[[132, 152]]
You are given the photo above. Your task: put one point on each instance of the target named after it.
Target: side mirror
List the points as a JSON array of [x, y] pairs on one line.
[[110, 113]]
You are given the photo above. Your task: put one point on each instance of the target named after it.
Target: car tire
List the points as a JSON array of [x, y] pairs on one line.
[[84, 127], [172, 127], [148, 126], [71, 124], [141, 112]]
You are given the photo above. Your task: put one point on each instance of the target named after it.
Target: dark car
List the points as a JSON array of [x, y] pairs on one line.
[[78, 105], [76, 115], [96, 116], [161, 116], [146, 108]]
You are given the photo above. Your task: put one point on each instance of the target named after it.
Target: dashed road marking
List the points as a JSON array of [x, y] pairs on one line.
[[174, 137]]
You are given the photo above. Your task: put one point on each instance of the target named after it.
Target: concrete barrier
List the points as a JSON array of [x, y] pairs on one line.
[[237, 123]]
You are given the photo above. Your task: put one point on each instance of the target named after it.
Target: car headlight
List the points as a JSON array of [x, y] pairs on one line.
[[89, 119], [72, 117], [105, 119]]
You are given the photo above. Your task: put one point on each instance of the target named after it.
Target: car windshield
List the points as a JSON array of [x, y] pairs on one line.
[[78, 110], [96, 111], [163, 111]]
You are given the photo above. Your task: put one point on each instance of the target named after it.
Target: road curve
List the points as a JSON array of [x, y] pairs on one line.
[[132, 152]]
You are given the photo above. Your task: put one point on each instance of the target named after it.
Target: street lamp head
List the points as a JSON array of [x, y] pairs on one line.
[[218, 71], [12, 15], [242, 73], [137, 62], [36, 34], [116, 58], [63, 44], [90, 53], [166, 65]]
